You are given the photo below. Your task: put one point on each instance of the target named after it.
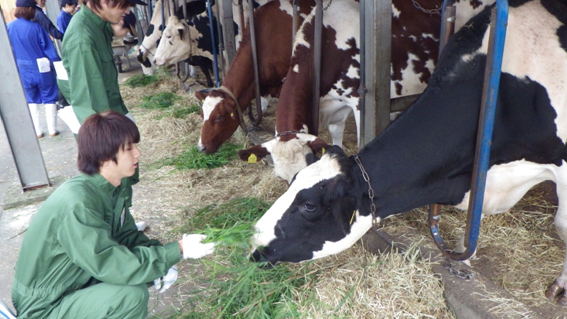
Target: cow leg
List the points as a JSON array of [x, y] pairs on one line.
[[206, 70], [558, 288]]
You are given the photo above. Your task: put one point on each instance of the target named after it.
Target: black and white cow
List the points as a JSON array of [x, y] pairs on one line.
[[189, 40], [157, 25], [426, 155]]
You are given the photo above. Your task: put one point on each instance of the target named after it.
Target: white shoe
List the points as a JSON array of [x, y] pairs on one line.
[[5, 312], [141, 226]]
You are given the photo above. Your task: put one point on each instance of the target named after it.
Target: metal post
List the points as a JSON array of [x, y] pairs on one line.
[[215, 64], [227, 17], [17, 119], [493, 66], [378, 38], [318, 28], [255, 63]]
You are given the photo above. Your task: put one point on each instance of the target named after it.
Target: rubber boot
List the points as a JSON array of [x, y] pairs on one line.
[[34, 111], [51, 119]]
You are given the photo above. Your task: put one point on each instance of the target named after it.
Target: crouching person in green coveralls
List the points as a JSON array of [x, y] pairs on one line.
[[82, 255]]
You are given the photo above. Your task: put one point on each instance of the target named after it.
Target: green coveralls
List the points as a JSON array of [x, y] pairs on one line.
[[89, 61], [78, 260]]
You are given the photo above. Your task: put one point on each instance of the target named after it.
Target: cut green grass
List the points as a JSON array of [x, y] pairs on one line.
[[140, 80], [239, 288], [181, 113], [195, 159], [161, 100]]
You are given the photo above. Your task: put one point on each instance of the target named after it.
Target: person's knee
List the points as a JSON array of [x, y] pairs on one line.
[[132, 302]]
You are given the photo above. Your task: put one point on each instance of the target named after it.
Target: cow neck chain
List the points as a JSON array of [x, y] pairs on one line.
[[429, 11], [370, 189], [238, 110], [290, 132]]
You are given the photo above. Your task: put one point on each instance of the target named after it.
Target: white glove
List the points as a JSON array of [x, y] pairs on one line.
[[166, 281], [193, 248]]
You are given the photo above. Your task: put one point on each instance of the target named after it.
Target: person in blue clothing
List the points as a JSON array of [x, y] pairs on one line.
[[34, 54], [41, 18], [68, 9]]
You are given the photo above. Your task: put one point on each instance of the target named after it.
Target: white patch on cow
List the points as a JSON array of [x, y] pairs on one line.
[[345, 28], [507, 183], [395, 12], [464, 11], [209, 104], [289, 156], [296, 68], [326, 168], [357, 230], [412, 84], [533, 28]]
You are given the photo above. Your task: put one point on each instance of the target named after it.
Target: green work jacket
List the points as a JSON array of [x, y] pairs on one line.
[[89, 61], [84, 234]]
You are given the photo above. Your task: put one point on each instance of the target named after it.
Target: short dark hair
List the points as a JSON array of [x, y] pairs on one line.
[[100, 138], [27, 13], [96, 5]]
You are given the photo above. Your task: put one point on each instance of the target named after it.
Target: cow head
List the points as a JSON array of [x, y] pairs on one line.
[[289, 156], [220, 120], [317, 216], [176, 42]]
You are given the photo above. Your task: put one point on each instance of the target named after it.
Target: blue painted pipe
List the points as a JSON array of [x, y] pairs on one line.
[[486, 123], [215, 66]]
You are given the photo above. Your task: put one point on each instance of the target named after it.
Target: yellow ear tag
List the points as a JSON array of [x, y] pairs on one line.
[[231, 114], [252, 158], [323, 151]]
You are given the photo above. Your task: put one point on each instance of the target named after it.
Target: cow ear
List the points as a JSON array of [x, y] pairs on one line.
[[229, 106], [253, 154], [318, 146], [201, 95]]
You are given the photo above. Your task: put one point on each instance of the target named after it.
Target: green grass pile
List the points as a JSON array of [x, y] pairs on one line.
[[195, 159], [180, 113], [140, 80], [239, 288], [160, 100]]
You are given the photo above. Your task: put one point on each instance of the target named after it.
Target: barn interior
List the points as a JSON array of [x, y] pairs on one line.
[[517, 257]]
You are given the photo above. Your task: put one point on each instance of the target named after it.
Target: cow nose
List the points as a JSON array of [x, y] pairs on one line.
[[201, 147]]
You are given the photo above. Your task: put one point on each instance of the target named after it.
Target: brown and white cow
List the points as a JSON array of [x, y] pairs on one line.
[[415, 44], [274, 45]]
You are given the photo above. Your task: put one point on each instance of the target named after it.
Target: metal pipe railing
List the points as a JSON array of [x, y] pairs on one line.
[[493, 67]]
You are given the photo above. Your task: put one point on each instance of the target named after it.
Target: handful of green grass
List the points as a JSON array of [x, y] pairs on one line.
[[239, 288]]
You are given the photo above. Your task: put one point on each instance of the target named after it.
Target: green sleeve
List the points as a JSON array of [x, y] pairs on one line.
[[86, 82], [130, 237], [86, 238]]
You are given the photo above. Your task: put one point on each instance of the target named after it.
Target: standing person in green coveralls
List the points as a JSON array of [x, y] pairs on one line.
[[82, 256], [90, 84], [90, 79]]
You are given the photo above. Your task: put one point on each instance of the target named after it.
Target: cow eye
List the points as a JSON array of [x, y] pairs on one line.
[[218, 118], [309, 207]]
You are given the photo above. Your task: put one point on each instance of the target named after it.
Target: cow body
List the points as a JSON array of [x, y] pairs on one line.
[[273, 42], [415, 47], [426, 155]]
